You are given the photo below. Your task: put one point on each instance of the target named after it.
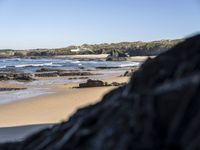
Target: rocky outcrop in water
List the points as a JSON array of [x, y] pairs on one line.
[[47, 72], [5, 76], [157, 110]]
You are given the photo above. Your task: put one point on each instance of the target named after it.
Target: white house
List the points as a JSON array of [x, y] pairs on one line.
[[81, 51]]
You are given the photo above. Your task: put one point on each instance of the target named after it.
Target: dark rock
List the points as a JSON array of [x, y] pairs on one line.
[[47, 74], [80, 78], [8, 69], [118, 84], [157, 110], [50, 70], [116, 56], [91, 83], [77, 73], [44, 70], [5, 76], [23, 77], [11, 89], [104, 67], [81, 68], [98, 83]]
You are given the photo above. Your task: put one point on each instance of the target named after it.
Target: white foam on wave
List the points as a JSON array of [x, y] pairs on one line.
[[34, 65], [68, 60], [2, 67], [56, 65], [129, 64], [93, 62], [75, 62], [12, 59]]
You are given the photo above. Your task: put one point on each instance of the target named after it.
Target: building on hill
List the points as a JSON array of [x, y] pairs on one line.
[[82, 51]]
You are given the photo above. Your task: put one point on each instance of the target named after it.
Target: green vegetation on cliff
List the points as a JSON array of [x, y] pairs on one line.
[[130, 48]]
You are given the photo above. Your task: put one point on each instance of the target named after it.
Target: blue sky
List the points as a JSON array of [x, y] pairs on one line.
[[59, 23]]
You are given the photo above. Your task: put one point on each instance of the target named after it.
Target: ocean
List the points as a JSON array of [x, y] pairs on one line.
[[31, 65]]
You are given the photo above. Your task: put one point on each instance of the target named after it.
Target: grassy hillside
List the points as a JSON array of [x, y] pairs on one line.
[[131, 48]]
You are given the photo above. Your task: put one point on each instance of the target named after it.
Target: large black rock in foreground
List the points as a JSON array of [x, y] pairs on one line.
[[158, 110]]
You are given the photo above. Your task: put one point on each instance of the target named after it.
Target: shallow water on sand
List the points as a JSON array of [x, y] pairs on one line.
[[12, 96]]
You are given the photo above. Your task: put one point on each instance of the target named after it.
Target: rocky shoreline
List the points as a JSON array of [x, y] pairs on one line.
[[43, 72], [87, 79], [12, 74]]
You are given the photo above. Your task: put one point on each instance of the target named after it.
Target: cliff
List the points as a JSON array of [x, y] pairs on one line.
[[157, 110]]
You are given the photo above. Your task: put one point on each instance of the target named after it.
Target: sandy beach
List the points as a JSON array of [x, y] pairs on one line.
[[54, 107], [139, 58], [21, 118]]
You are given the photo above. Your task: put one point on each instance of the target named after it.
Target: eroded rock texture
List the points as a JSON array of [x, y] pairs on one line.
[[158, 110]]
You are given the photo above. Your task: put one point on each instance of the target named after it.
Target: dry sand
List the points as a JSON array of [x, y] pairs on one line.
[[104, 56], [140, 58], [91, 56]]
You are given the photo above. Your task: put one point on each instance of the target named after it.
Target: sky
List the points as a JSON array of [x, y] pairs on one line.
[[28, 24]]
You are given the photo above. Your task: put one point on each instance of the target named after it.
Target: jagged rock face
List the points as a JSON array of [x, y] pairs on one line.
[[157, 110]]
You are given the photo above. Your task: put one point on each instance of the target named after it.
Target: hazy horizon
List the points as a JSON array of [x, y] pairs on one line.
[[56, 24]]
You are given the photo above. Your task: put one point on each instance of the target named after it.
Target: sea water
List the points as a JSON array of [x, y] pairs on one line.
[[31, 65]]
